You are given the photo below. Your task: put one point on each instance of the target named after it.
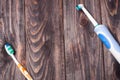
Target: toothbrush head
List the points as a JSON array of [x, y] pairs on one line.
[[9, 49], [79, 7]]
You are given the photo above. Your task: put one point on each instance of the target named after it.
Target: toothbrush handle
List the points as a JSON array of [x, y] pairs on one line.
[[24, 72], [108, 40]]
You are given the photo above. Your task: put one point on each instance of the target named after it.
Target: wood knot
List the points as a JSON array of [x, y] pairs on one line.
[[83, 20], [112, 6]]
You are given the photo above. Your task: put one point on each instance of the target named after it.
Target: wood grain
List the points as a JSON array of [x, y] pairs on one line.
[[54, 41], [13, 20], [45, 53], [84, 57], [110, 17]]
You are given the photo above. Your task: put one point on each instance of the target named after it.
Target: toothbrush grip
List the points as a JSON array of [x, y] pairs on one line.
[[108, 40], [24, 72]]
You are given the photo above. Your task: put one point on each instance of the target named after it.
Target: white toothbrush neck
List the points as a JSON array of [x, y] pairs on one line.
[[15, 60], [94, 22]]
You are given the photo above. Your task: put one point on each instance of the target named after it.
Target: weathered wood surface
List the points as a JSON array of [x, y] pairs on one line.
[[53, 41]]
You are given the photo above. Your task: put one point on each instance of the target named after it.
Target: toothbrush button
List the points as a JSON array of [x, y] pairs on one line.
[[104, 40]]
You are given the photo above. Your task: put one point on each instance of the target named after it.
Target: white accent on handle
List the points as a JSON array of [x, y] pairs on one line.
[[15, 60]]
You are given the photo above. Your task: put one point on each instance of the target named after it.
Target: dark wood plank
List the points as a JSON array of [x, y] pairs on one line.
[[44, 43], [14, 33], [54, 41], [110, 11], [83, 50], [2, 55]]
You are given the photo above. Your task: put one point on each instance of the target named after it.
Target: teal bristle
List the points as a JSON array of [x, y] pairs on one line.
[[78, 7], [9, 49]]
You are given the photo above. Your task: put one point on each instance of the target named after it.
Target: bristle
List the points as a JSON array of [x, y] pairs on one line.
[[9, 49], [79, 7]]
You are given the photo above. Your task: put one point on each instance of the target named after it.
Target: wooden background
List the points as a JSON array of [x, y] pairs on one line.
[[56, 42]]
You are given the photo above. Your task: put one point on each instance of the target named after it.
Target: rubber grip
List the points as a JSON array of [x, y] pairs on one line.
[[104, 40]]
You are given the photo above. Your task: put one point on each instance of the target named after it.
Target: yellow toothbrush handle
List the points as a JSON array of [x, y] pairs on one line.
[[24, 72]]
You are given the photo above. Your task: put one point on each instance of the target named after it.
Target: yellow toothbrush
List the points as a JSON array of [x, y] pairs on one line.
[[10, 52]]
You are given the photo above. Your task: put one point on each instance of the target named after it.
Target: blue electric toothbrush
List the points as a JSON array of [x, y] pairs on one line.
[[104, 34]]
